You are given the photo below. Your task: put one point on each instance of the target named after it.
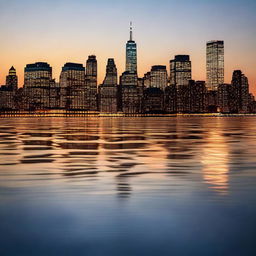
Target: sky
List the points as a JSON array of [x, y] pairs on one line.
[[60, 31]]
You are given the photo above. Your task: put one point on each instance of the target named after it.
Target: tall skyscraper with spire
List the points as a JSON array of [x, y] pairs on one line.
[[131, 53]]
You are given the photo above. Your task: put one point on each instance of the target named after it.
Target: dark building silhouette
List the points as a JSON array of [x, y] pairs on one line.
[[211, 101], [197, 96], [224, 98], [12, 80], [170, 99], [241, 91], [108, 91], [153, 101]]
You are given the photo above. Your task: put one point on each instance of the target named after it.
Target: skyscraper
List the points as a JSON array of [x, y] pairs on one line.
[[72, 84], [12, 80], [108, 90], [180, 70], [37, 82], [180, 74], [91, 82], [158, 77], [241, 91], [130, 93], [214, 64], [131, 54]]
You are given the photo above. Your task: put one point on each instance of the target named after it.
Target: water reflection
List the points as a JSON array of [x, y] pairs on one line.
[[215, 160], [125, 151]]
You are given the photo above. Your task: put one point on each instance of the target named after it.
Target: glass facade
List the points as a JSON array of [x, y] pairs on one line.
[[214, 64], [131, 55]]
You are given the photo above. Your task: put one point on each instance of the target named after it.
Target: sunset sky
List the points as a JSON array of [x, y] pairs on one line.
[[59, 31]]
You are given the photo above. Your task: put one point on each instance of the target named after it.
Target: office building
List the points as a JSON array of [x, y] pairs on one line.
[[72, 87], [108, 90], [214, 64], [131, 54], [91, 82]]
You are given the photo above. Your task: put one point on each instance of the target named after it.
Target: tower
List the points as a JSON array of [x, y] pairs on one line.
[[12, 80], [214, 64], [91, 82], [131, 53], [108, 90], [180, 72]]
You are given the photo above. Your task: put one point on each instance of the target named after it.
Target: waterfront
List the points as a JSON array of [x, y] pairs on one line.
[[128, 186]]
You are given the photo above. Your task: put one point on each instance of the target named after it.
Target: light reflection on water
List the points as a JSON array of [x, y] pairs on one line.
[[134, 183]]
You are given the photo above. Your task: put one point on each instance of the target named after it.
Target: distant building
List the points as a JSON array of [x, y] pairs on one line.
[[197, 96], [37, 82], [12, 80], [241, 88], [146, 80], [7, 98], [170, 99], [91, 82], [180, 74], [224, 98], [214, 64], [131, 93], [72, 87], [108, 90], [158, 77], [153, 101], [212, 101]]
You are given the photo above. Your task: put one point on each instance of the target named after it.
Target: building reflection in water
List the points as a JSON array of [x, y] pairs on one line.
[[215, 160]]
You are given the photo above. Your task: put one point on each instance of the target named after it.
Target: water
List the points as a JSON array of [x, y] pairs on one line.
[[128, 186]]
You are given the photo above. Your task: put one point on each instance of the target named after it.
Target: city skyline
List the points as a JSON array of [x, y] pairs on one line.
[[157, 45]]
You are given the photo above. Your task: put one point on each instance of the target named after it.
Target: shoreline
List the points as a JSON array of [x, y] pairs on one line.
[[115, 115]]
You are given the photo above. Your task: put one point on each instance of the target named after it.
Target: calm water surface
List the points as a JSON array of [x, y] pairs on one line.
[[128, 186]]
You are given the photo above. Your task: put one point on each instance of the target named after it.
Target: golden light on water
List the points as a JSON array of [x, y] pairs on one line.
[[215, 162]]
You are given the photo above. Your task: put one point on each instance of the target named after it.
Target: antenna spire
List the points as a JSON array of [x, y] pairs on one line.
[[130, 31]]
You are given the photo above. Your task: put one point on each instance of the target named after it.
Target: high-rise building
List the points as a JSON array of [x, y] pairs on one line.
[[197, 97], [180, 70], [214, 64], [224, 98], [108, 90], [72, 87], [91, 82], [37, 82], [131, 54], [12, 80], [180, 74], [158, 77], [131, 93], [241, 88]]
